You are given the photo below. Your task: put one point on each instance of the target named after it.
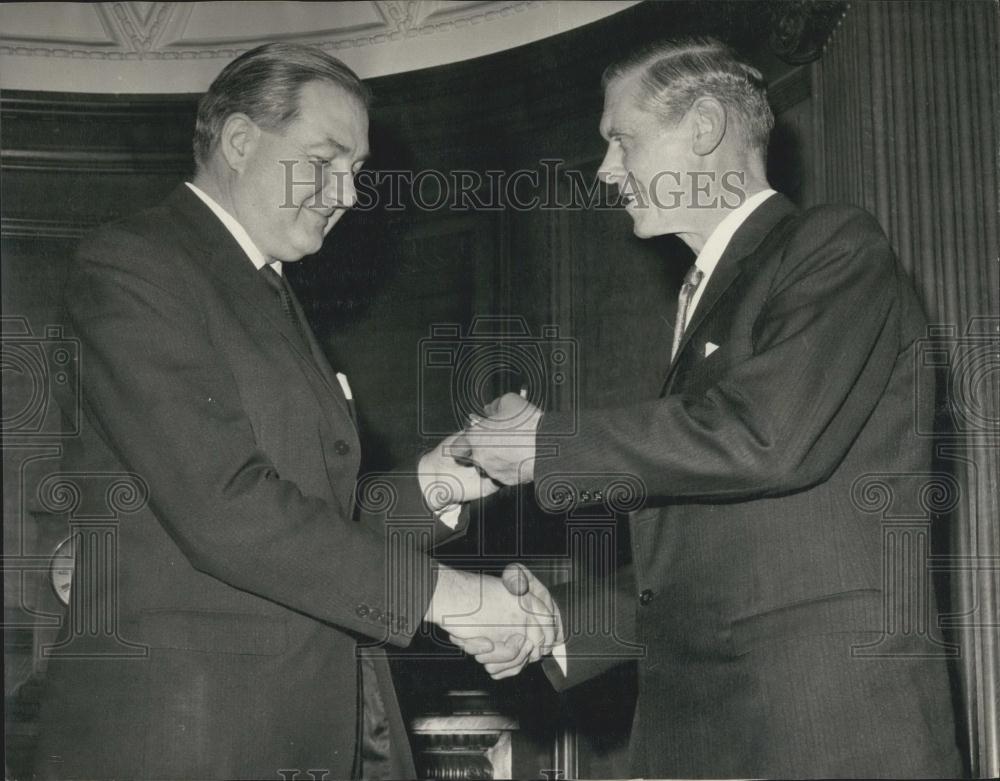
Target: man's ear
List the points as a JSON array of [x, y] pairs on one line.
[[709, 123], [238, 140]]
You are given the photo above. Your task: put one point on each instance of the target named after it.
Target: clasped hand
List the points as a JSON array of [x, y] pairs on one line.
[[448, 478], [505, 623], [508, 622], [502, 443]]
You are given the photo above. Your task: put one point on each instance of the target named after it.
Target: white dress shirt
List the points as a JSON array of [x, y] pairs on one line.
[[717, 242], [258, 258]]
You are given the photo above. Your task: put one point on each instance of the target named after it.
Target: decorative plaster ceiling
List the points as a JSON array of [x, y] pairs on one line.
[[143, 47]]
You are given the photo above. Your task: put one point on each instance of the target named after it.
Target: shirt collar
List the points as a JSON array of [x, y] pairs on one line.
[[258, 258], [719, 239]]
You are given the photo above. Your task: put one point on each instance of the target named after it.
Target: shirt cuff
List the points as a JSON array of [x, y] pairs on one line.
[[559, 654], [449, 515]]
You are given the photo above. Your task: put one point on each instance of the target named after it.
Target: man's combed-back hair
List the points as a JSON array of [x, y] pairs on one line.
[[675, 73], [264, 83]]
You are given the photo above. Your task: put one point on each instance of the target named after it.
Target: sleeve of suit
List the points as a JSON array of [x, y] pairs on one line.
[[383, 495], [162, 397], [783, 417], [589, 649]]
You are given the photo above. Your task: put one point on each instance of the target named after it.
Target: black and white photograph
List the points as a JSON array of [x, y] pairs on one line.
[[500, 389]]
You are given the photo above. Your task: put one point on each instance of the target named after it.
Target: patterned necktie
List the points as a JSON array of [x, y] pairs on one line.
[[280, 286], [691, 281]]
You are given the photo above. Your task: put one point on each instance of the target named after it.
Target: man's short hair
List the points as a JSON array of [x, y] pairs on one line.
[[264, 83], [675, 73]]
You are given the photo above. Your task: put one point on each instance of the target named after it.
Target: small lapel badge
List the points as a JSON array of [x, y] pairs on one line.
[[345, 386], [710, 347]]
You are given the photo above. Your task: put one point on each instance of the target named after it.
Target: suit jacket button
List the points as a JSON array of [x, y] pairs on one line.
[[646, 596], [362, 611], [341, 447]]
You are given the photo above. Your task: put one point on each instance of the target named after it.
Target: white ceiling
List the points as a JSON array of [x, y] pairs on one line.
[[136, 47]]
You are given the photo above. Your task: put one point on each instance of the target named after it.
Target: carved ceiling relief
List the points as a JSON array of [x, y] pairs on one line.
[[137, 24], [147, 30], [176, 47]]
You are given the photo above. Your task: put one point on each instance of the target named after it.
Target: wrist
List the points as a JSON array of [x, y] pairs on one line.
[[451, 590], [430, 483]]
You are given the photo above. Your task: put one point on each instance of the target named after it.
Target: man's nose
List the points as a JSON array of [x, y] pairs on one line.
[[340, 190], [611, 168]]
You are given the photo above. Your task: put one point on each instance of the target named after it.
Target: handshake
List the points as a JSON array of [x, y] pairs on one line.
[[506, 622]]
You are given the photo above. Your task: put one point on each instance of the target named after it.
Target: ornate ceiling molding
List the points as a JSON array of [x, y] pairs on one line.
[[175, 47]]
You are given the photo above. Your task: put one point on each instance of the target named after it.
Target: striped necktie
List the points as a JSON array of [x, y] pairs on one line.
[[691, 281], [280, 286]]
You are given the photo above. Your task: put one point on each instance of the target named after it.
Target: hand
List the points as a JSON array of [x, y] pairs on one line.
[[508, 658], [482, 615], [502, 444], [444, 481]]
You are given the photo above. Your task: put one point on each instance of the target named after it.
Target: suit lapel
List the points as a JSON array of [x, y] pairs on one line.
[[748, 237], [321, 362], [228, 263]]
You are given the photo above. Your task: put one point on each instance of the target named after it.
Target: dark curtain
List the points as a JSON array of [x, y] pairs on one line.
[[905, 113]]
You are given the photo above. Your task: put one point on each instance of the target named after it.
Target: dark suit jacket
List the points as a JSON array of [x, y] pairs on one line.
[[756, 564], [249, 576]]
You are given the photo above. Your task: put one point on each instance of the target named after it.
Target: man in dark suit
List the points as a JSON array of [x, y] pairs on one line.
[[757, 585], [248, 578]]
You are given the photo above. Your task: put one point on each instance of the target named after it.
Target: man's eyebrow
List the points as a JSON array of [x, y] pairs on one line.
[[330, 141]]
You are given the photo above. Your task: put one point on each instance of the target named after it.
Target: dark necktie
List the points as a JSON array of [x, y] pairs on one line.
[[691, 281], [280, 286]]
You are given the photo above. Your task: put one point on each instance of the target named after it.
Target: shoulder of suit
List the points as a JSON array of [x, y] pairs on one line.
[[834, 229], [833, 235], [151, 225], [830, 220], [147, 244]]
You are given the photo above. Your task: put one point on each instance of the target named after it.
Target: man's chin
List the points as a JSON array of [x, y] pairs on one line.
[[300, 249], [643, 229]]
